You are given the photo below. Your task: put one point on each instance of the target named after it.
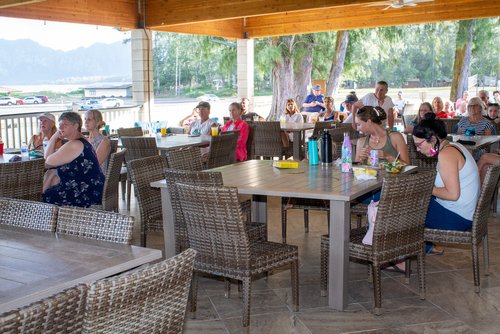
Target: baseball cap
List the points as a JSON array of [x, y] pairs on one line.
[[317, 87], [203, 104], [351, 98], [47, 116]]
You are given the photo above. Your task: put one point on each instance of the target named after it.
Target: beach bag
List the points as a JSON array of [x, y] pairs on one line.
[[372, 216]]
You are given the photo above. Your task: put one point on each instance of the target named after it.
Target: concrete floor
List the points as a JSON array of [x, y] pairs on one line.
[[451, 305]]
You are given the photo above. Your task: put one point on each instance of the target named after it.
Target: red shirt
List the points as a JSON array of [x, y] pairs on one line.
[[442, 114], [241, 144]]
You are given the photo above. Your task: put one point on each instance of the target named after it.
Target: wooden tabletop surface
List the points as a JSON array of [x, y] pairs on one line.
[[37, 264], [179, 141]]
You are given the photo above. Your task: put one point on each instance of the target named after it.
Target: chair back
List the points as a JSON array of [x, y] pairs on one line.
[[215, 226], [28, 214], [22, 179], [114, 145], [417, 158], [188, 158], [320, 126], [150, 299], [110, 190], [60, 313], [222, 150], [481, 213], [139, 147], [399, 227], [173, 176], [95, 224], [267, 140], [250, 144], [407, 119], [450, 124], [142, 172], [130, 132]]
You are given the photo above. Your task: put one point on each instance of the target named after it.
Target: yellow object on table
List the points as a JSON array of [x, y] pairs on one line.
[[366, 171], [285, 164]]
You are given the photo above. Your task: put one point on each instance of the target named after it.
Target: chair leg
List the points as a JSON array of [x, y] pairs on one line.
[[294, 269], [247, 290], [143, 234], [421, 272], [129, 190], [193, 292], [283, 224], [328, 219], [324, 265], [227, 287], [475, 267], [306, 221], [486, 256], [407, 271], [249, 214], [377, 288], [124, 188]]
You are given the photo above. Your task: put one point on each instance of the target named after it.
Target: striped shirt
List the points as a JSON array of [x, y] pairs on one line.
[[479, 127]]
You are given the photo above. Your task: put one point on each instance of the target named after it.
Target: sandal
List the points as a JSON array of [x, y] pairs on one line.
[[436, 250]]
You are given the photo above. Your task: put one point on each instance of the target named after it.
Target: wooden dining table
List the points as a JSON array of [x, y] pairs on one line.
[[260, 179], [178, 141], [480, 141], [298, 130], [37, 264]]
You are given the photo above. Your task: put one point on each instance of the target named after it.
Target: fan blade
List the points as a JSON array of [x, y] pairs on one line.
[[386, 8], [420, 1], [385, 3], [410, 4]]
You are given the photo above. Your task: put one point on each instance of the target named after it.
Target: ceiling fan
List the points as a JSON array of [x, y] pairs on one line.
[[398, 3]]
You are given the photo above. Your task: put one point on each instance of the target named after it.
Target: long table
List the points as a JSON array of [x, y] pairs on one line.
[[260, 179], [481, 141], [298, 130], [37, 264], [179, 141]]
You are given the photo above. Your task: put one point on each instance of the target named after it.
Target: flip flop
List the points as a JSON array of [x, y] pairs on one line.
[[435, 251], [395, 269]]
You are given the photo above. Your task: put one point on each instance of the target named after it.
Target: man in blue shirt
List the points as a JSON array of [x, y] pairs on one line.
[[314, 102]]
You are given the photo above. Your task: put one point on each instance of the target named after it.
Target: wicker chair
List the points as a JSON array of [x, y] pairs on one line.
[[137, 148], [130, 132], [267, 140], [398, 233], [217, 232], [417, 158], [250, 144], [186, 159], [60, 313], [150, 299], [95, 224], [479, 231], [256, 231], [450, 124], [23, 179], [222, 150], [142, 172], [110, 189], [28, 214], [320, 126]]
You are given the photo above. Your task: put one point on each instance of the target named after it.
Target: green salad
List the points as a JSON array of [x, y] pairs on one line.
[[392, 167]]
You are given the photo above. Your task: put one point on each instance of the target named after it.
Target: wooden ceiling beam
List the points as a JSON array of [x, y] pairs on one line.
[[13, 3], [172, 12], [232, 28]]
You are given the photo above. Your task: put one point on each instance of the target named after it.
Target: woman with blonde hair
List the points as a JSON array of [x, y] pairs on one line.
[[94, 123], [47, 130], [292, 115], [424, 108]]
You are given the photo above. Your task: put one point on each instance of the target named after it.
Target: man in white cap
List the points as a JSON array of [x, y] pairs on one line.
[[313, 103]]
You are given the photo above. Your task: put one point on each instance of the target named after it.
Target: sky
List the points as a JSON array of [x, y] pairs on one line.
[[57, 35]]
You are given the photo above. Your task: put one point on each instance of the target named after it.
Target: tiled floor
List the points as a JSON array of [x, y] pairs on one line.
[[451, 305]]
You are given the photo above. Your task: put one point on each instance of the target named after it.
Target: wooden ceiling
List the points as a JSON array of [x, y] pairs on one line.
[[245, 18]]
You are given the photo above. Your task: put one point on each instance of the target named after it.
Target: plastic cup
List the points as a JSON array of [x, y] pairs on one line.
[[163, 132], [1, 148], [106, 128], [321, 118], [215, 131]]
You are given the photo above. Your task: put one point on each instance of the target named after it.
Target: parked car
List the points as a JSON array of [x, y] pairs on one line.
[[32, 100], [44, 98], [112, 102], [91, 104], [7, 100], [207, 97]]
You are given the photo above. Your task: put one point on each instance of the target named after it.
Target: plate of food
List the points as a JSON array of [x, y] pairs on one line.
[[393, 167]]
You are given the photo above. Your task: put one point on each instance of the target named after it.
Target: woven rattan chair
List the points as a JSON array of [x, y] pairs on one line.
[[95, 224], [222, 150], [217, 232], [417, 158], [450, 124], [479, 231], [110, 189], [256, 231], [142, 172], [137, 148], [267, 140], [60, 313], [398, 233], [150, 299], [250, 144], [28, 214], [320, 126], [185, 159], [22, 179], [130, 132]]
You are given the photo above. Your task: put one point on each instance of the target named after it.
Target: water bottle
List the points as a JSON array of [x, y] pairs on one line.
[[45, 143], [24, 151], [326, 148], [346, 154], [312, 148], [374, 158]]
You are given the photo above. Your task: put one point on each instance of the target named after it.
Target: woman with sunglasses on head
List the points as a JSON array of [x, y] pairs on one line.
[[456, 188]]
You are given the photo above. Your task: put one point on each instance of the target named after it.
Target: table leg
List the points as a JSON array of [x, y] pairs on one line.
[[338, 263], [297, 145], [168, 223], [259, 209]]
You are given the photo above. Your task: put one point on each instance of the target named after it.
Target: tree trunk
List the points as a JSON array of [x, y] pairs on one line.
[[463, 53], [302, 74], [333, 82], [282, 77]]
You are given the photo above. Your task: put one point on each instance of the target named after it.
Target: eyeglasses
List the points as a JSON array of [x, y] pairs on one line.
[[473, 105], [420, 144]]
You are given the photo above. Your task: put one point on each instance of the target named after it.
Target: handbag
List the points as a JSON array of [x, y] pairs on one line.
[[372, 216]]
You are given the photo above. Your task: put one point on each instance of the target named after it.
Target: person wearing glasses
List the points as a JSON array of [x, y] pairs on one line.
[[456, 188], [475, 123], [74, 176]]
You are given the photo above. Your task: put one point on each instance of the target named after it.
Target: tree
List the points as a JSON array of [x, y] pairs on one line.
[[463, 53], [303, 60], [282, 76], [338, 60]]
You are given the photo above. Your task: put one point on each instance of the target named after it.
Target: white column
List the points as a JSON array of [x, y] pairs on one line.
[[245, 69], [142, 71]]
